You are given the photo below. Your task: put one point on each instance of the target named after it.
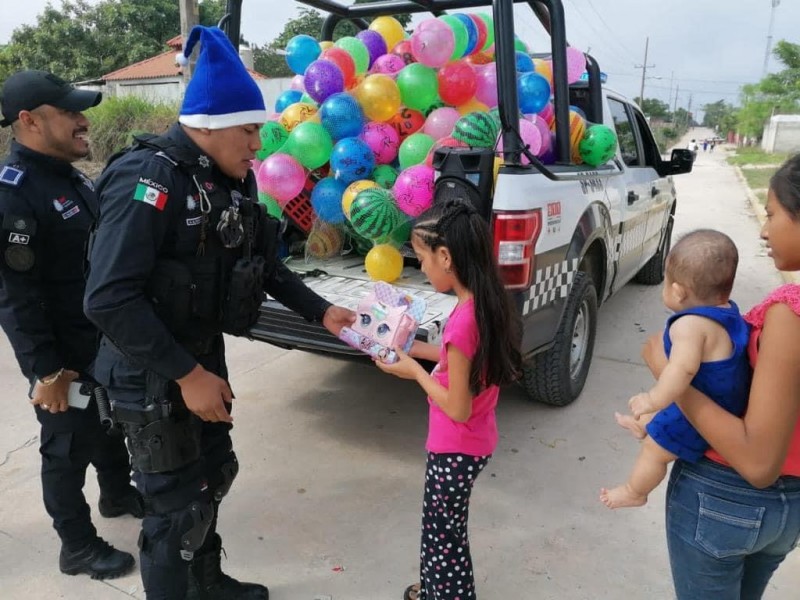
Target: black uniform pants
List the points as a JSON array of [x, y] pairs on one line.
[[69, 443]]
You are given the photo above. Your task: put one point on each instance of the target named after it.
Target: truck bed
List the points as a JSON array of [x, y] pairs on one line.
[[344, 281]]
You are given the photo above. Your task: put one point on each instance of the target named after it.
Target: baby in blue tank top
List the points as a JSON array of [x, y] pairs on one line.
[[706, 343]]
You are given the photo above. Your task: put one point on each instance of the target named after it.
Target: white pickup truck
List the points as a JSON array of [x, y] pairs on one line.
[[567, 236]]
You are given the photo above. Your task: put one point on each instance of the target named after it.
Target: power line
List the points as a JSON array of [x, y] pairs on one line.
[[614, 37], [599, 33]]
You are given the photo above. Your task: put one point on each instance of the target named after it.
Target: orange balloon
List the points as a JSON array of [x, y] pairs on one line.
[[472, 106], [379, 96], [325, 45], [479, 58], [391, 31], [544, 68], [297, 113]]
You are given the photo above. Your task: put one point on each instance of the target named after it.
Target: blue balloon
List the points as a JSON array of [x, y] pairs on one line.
[[352, 160], [286, 99], [533, 91], [301, 51], [472, 32], [524, 63], [342, 116], [326, 198]]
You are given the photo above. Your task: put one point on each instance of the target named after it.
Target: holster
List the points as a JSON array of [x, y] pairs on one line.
[[245, 294]]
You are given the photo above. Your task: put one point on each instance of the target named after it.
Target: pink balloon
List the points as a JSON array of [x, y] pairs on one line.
[[548, 113], [432, 43], [383, 140], [486, 91], [440, 122], [388, 64], [413, 190], [282, 177], [255, 165], [530, 137], [576, 64], [544, 130], [298, 83]]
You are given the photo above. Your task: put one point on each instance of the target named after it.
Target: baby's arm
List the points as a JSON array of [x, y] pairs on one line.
[[688, 335]]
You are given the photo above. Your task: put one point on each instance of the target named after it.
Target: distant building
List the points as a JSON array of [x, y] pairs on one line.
[[782, 134]]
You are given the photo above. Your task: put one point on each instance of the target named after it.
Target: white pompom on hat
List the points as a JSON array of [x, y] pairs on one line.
[[221, 92]]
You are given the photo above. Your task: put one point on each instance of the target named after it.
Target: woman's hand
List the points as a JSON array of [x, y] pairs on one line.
[[405, 367], [653, 354]]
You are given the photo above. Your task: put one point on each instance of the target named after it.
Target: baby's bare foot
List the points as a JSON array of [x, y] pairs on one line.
[[628, 422], [621, 497]]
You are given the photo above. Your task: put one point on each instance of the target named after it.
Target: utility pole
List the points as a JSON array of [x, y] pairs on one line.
[[677, 91], [775, 4], [671, 80], [644, 68], [190, 16], [689, 112]]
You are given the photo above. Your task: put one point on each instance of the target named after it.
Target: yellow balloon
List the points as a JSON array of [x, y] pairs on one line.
[[390, 29], [384, 263], [297, 113], [352, 191], [325, 45], [472, 106], [379, 96], [543, 68]]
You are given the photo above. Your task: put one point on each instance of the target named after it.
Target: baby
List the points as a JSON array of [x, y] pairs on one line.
[[706, 343]]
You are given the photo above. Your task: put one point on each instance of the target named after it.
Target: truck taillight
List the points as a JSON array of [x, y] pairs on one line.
[[515, 235]]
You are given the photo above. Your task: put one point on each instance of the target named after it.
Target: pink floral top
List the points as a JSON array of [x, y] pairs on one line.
[[788, 294]]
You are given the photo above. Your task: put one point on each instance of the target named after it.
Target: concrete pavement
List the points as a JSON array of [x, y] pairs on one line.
[[327, 502]]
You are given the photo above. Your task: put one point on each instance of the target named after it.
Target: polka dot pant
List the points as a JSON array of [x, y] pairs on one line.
[[445, 561]]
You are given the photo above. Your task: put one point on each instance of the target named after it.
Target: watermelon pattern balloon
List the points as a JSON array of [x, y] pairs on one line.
[[477, 129], [374, 213]]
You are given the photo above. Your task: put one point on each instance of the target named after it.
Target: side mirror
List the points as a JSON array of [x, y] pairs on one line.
[[682, 161]]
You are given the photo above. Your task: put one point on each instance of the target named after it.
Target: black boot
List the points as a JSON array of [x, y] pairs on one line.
[[131, 503], [98, 559], [208, 582]]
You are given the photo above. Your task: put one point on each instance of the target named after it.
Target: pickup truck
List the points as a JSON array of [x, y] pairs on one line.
[[568, 236]]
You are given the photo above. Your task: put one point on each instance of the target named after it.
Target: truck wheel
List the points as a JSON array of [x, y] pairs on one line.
[[557, 376], [652, 273]]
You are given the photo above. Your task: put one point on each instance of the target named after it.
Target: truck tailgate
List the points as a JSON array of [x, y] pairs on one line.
[[343, 281]]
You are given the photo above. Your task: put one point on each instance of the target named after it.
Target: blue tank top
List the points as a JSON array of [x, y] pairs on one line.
[[727, 382]]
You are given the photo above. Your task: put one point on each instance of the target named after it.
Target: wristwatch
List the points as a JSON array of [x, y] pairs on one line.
[[51, 379]]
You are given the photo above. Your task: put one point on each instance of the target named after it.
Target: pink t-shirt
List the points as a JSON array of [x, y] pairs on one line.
[[478, 436]]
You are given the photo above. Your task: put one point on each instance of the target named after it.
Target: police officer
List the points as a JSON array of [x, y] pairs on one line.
[[47, 208], [182, 253]]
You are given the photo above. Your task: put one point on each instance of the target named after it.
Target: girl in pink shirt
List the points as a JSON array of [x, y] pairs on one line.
[[479, 353]]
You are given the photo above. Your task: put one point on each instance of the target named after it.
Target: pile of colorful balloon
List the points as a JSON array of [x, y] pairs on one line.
[[364, 115]]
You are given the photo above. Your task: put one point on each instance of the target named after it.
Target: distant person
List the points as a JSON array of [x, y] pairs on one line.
[[733, 516], [711, 146], [706, 341], [479, 353], [47, 208], [694, 148], [705, 145]]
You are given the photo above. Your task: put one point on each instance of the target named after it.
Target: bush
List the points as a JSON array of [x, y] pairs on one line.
[[115, 121]]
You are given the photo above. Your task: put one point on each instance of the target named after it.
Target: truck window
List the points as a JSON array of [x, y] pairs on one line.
[[652, 154], [625, 133]]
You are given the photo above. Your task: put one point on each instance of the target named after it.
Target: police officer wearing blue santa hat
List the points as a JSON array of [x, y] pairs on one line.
[[183, 253], [46, 210]]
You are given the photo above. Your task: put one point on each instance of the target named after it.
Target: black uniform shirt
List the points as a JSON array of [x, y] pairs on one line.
[[150, 209], [47, 208]]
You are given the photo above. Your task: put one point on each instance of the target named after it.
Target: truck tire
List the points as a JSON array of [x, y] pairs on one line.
[[557, 376], [652, 273]]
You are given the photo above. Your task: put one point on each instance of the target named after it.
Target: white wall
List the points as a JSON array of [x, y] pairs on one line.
[[271, 89], [782, 134]]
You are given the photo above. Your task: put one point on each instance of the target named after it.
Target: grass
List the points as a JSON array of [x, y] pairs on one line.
[[756, 156], [762, 197], [758, 179]]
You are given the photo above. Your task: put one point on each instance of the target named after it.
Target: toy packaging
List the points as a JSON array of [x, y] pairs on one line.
[[386, 318]]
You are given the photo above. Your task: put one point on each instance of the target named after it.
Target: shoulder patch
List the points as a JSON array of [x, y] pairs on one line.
[[11, 176], [166, 157], [152, 193], [25, 226]]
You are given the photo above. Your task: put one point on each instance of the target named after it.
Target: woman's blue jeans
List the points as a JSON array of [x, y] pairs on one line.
[[725, 537]]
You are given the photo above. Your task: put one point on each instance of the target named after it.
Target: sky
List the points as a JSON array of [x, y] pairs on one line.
[[700, 50]]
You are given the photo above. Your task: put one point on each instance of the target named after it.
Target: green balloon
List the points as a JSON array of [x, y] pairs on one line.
[[398, 236], [357, 51], [520, 46], [598, 146], [273, 208], [414, 149], [306, 99], [384, 176], [460, 33], [419, 86], [311, 144], [489, 30], [273, 136]]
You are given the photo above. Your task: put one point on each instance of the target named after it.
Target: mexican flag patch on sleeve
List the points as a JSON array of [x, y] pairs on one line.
[[151, 195]]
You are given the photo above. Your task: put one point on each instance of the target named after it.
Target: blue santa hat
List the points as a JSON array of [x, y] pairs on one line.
[[221, 92]]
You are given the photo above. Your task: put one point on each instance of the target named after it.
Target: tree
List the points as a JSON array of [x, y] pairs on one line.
[[719, 115], [268, 60], [654, 108], [80, 41]]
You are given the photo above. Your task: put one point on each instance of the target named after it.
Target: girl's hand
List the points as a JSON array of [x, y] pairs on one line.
[[405, 367]]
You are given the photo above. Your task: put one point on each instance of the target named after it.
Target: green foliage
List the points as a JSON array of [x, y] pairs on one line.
[[115, 121], [80, 41], [654, 108], [758, 179], [753, 155], [269, 62], [719, 116]]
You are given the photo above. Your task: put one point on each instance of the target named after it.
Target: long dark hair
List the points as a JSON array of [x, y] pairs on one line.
[[786, 185], [456, 225]]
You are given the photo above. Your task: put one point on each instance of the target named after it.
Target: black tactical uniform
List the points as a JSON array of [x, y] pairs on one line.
[[163, 287], [47, 208]]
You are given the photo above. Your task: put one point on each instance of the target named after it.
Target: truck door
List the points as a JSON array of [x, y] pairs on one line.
[[659, 201], [632, 217]]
